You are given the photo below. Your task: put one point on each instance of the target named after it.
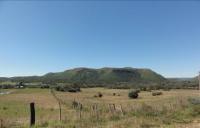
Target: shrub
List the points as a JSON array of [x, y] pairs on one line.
[[67, 89], [116, 94], [100, 94], [78, 89], [74, 90], [5, 108], [156, 93], [133, 94], [44, 86], [59, 88], [71, 90], [194, 101]]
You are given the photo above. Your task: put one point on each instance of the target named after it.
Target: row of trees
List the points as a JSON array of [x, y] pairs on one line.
[[139, 85]]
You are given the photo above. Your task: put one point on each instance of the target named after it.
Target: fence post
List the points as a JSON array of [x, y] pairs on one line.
[[32, 116], [122, 111], [60, 110], [1, 121]]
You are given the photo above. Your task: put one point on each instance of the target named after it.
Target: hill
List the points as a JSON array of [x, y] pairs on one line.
[[96, 76], [182, 79], [184, 82], [106, 77]]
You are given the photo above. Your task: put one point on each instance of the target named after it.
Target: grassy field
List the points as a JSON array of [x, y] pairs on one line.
[[170, 110]]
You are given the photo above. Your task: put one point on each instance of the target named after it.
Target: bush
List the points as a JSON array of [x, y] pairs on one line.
[[156, 93], [44, 86], [71, 90], [133, 94], [100, 94], [60, 88], [74, 90], [116, 94], [78, 89], [67, 89], [194, 101]]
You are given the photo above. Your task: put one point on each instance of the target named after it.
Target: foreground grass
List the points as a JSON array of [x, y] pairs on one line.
[[170, 110]]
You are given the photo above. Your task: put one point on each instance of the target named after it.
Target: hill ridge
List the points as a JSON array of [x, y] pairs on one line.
[[105, 75]]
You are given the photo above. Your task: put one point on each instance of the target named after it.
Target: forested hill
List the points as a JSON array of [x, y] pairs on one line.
[[96, 76]]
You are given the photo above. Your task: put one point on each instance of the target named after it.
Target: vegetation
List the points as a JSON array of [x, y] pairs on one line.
[[194, 101], [174, 109], [113, 108], [100, 94], [67, 89], [133, 94], [116, 78], [95, 76], [45, 86], [156, 93]]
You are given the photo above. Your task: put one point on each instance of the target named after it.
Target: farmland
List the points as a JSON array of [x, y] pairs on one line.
[[113, 110]]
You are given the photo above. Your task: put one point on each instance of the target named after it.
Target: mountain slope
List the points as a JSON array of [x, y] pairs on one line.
[[104, 75]]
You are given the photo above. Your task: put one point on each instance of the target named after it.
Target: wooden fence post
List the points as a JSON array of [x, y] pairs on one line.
[[32, 116], [1, 121], [122, 111], [60, 110], [97, 112], [80, 109]]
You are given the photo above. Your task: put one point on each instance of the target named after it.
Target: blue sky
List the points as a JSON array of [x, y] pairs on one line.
[[48, 36]]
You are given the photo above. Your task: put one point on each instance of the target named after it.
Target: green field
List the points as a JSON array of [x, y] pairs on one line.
[[170, 110]]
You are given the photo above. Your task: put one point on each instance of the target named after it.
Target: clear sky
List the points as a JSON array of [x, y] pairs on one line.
[[48, 36]]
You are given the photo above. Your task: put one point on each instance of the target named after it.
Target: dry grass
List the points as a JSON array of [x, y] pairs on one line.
[[169, 110]]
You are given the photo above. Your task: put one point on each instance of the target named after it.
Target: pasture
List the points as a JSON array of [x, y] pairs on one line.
[[113, 110]]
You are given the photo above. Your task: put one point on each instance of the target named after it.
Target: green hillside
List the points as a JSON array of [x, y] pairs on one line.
[[104, 75], [108, 77]]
